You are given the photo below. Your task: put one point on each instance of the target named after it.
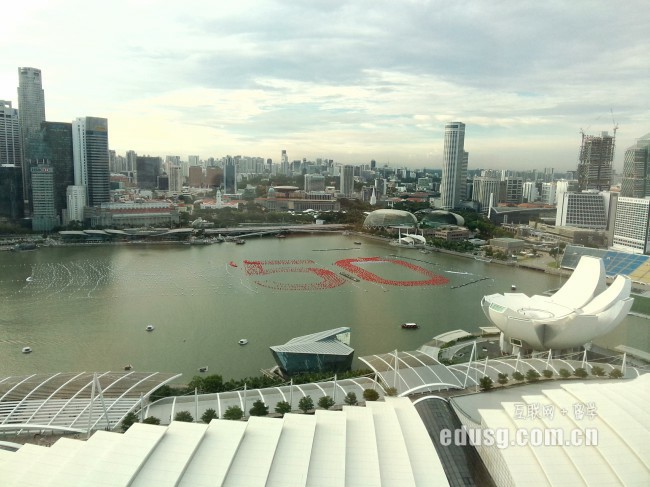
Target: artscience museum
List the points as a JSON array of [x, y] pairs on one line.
[[581, 310]]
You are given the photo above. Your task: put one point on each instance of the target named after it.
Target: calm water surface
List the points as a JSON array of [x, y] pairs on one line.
[[86, 308]]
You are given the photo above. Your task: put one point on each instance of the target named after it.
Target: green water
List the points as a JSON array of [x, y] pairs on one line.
[[86, 308]]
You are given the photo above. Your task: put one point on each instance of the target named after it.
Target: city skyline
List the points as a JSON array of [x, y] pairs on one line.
[[345, 82]]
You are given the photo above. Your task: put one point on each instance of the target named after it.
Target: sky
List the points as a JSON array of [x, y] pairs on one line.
[[349, 80]]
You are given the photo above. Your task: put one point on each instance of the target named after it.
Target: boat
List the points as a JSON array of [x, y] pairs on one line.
[[203, 369], [27, 349], [410, 326], [482, 259], [513, 288], [356, 242], [240, 241], [149, 328], [128, 367], [232, 264], [279, 235], [243, 341]]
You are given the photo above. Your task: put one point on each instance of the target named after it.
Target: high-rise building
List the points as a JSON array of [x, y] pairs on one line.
[[284, 163], [175, 178], [529, 192], [595, 162], [195, 176], [193, 160], [347, 181], [11, 192], [44, 215], [454, 166], [230, 177], [636, 169], [513, 190], [10, 145], [486, 191], [589, 209], [31, 112], [76, 202], [632, 225], [53, 143], [131, 158], [148, 169], [314, 182], [90, 154]]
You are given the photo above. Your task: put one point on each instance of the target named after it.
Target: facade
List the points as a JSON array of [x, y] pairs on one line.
[[595, 162], [486, 192], [636, 170], [53, 143], [125, 215], [583, 210], [314, 182], [90, 155], [230, 177], [31, 105], [513, 190], [529, 192], [451, 233], [632, 225], [148, 169], [454, 166], [76, 201], [10, 144], [347, 181], [11, 192], [549, 193], [195, 177], [45, 215], [175, 178]]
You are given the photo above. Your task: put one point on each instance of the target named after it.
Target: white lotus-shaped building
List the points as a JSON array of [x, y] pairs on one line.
[[581, 310]]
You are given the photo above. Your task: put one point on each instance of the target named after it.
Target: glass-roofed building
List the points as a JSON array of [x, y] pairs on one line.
[[319, 352]]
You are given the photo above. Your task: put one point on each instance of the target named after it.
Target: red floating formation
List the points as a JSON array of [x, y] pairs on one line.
[[348, 265]]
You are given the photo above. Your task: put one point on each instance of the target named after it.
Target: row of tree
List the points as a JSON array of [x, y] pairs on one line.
[[486, 383]]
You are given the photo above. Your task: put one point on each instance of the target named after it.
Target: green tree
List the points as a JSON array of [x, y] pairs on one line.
[[151, 420], [370, 395], [564, 373], [486, 383], [128, 420], [283, 407], [391, 391], [581, 373], [259, 408], [502, 378], [305, 404], [532, 375], [351, 399], [616, 374], [208, 415], [184, 416], [518, 376], [548, 373], [597, 371], [233, 413], [325, 402]]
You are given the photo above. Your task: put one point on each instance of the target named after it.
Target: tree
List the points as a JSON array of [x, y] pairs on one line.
[[350, 399], [283, 407], [305, 404], [151, 420], [184, 416], [486, 383], [518, 376], [391, 391], [502, 378], [233, 413], [564, 373], [548, 373], [597, 371], [259, 408], [616, 374], [580, 372], [370, 395], [208, 415], [325, 402], [128, 420], [532, 375]]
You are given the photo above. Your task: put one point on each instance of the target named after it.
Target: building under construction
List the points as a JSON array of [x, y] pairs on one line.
[[595, 163]]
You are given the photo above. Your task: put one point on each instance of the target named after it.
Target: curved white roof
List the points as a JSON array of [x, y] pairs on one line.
[[581, 310]]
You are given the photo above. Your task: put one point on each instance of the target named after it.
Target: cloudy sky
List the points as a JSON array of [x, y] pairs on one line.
[[348, 80]]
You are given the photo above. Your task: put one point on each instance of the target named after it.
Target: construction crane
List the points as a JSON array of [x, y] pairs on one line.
[[614, 122]]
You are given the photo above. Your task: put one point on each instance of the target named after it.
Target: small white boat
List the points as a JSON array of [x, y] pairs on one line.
[[149, 328], [513, 287], [27, 349], [243, 341], [203, 369], [128, 367]]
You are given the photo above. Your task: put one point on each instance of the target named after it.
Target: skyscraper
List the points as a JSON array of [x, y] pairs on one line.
[[148, 169], [10, 145], [595, 162], [230, 177], [31, 112], [284, 163], [454, 166], [347, 181], [90, 154], [486, 191], [44, 217], [636, 169]]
